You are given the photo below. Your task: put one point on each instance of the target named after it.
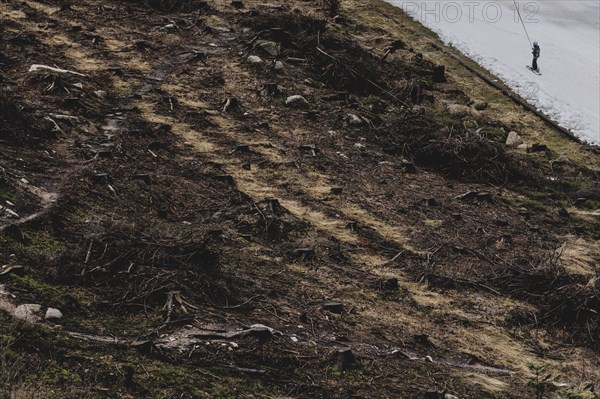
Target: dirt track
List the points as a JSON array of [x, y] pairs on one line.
[[185, 172]]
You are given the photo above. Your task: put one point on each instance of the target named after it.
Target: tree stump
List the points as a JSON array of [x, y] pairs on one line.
[[439, 74], [344, 359]]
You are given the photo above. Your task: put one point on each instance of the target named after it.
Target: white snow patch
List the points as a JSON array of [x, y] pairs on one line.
[[490, 33]]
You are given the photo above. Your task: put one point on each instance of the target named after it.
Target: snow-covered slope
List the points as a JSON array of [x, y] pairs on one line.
[[491, 33]]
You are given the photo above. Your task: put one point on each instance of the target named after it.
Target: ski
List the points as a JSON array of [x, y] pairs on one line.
[[533, 70]]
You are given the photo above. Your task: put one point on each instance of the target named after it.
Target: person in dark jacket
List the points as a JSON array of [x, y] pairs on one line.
[[536, 55]]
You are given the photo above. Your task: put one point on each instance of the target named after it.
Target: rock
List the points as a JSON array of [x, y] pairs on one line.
[[459, 110], [28, 312], [296, 101], [254, 59], [333, 307], [100, 93], [524, 147], [562, 160], [481, 106], [354, 120], [53, 314], [279, 67], [513, 140], [344, 358], [448, 396], [269, 47]]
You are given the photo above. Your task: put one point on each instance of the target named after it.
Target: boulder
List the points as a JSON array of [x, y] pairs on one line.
[[459, 110], [296, 101], [513, 140], [279, 67], [53, 314], [269, 47], [28, 312], [254, 59]]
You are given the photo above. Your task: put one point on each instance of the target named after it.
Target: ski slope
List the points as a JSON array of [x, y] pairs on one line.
[[491, 33]]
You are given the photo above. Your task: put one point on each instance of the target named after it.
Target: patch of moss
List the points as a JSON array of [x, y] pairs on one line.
[[494, 133], [55, 375], [531, 204], [577, 394], [39, 244], [60, 297]]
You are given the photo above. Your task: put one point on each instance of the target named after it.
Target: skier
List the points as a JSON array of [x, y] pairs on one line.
[[536, 55]]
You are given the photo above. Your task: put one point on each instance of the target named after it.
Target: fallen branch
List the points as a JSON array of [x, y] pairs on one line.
[[38, 67]]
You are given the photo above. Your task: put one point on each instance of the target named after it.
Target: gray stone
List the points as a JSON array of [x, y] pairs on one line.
[[524, 147], [279, 67], [513, 140], [296, 101], [354, 120], [254, 59], [53, 314], [459, 110], [28, 312], [269, 47], [562, 160]]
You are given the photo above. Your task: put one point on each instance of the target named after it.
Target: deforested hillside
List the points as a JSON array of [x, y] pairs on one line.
[[286, 199]]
